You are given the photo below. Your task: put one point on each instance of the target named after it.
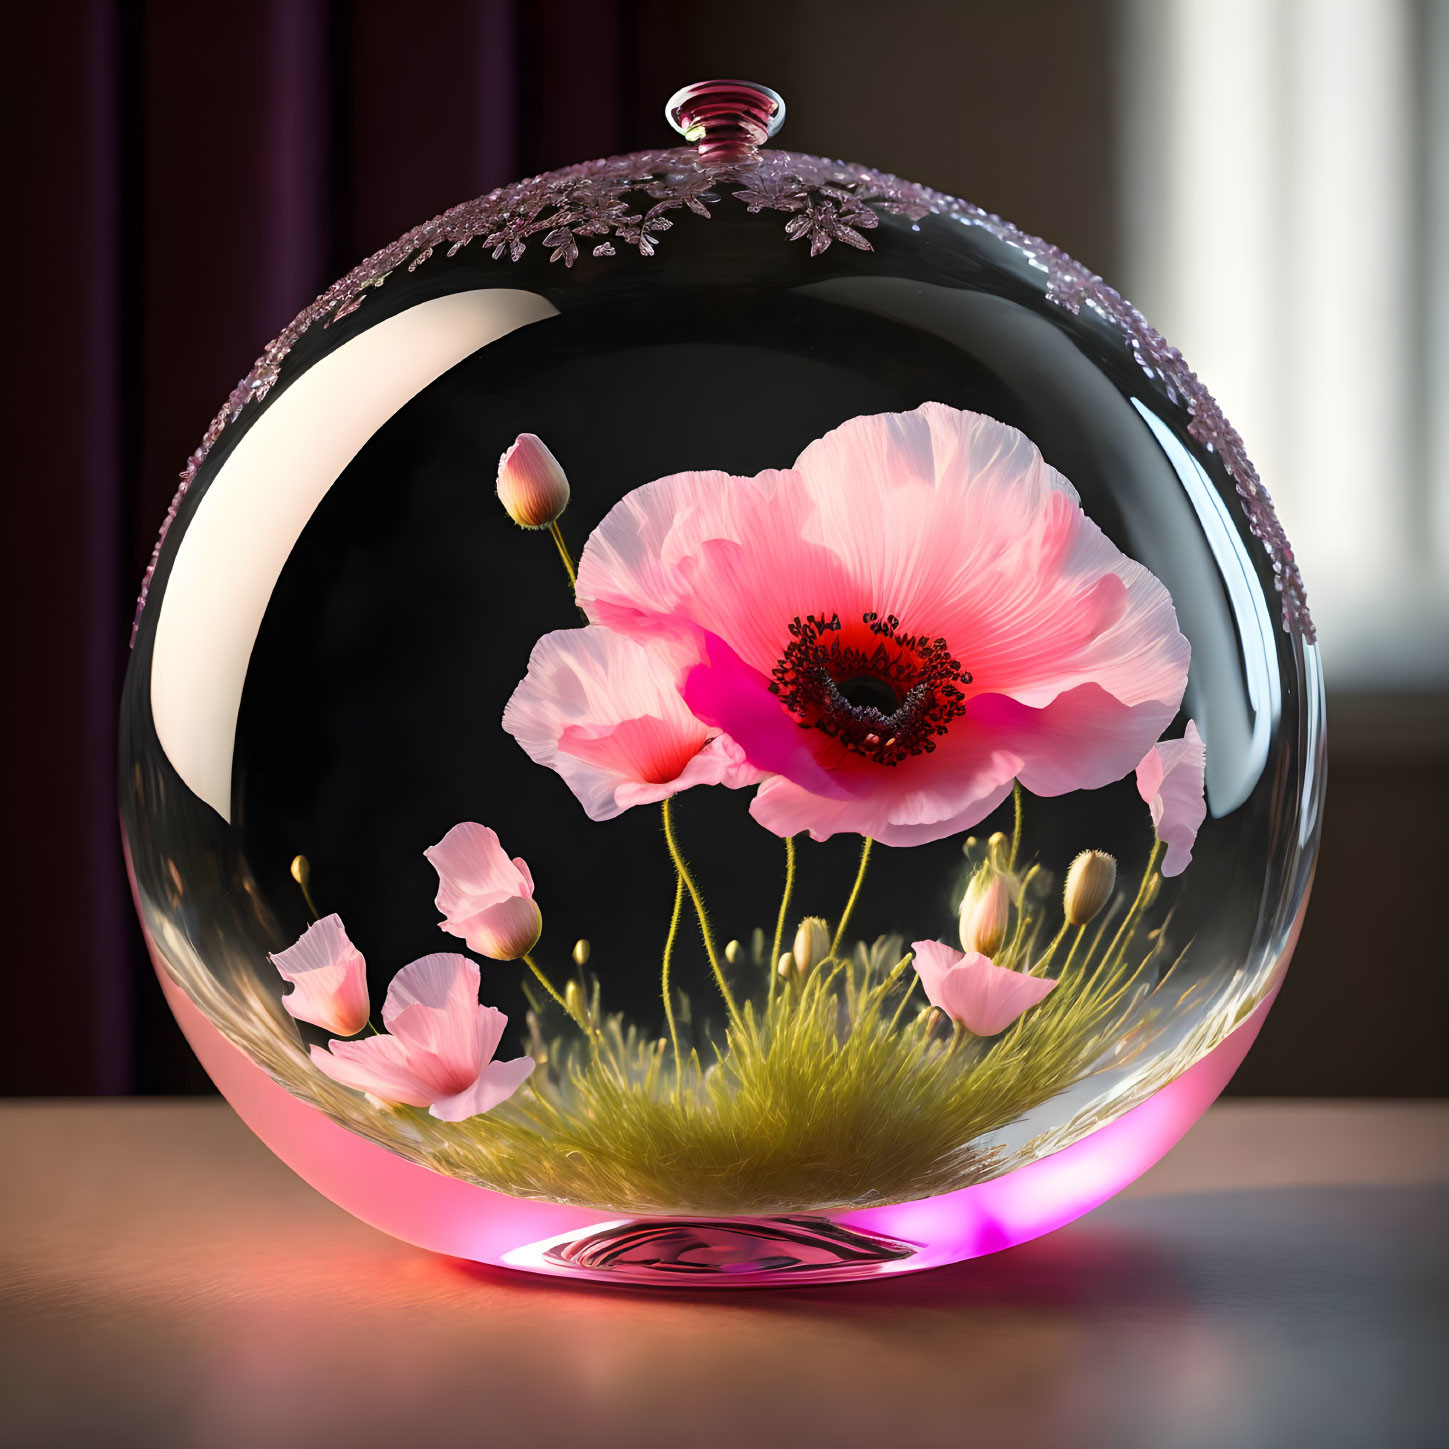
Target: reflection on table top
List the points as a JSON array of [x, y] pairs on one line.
[[1281, 1279]]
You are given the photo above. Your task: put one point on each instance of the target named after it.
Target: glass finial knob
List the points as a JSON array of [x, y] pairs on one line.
[[726, 119]]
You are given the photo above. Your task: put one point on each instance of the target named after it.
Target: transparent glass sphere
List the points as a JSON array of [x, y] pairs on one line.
[[884, 852]]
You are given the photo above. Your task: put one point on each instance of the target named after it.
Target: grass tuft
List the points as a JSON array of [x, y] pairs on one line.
[[841, 1089]]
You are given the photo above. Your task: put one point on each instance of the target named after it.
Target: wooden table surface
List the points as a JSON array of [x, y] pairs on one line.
[[1281, 1279]]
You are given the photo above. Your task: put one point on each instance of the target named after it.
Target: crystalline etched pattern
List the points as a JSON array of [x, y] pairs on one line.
[[626, 202]]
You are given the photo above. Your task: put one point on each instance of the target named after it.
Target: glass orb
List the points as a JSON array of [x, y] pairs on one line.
[[720, 717]]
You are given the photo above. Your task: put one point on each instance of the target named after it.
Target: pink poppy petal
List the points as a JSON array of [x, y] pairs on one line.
[[925, 798], [718, 763], [496, 1083], [973, 990], [1083, 739], [473, 869], [646, 751], [1171, 780], [328, 976], [502, 932], [431, 1008], [525, 876], [990, 997], [889, 498], [488, 1025], [725, 692], [605, 712], [626, 578], [932, 960], [376, 1064], [673, 554]]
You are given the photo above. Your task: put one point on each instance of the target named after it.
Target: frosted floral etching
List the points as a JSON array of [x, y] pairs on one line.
[[631, 202]]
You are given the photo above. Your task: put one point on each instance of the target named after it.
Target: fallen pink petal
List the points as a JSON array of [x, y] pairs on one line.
[[328, 976], [1171, 780], [605, 712], [485, 897], [439, 1045], [969, 988]]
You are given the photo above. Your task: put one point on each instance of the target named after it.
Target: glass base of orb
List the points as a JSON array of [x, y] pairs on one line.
[[461, 1220], [696, 1252]]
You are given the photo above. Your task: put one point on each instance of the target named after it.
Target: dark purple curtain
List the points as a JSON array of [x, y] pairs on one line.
[[180, 179]]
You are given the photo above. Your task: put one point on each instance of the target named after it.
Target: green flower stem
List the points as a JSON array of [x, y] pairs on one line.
[[1017, 805], [1040, 968], [705, 930], [1123, 931], [1067, 964], [664, 979], [866, 844], [548, 986], [556, 533], [772, 965]]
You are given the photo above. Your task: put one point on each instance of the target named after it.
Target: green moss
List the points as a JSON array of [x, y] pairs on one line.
[[841, 1090]]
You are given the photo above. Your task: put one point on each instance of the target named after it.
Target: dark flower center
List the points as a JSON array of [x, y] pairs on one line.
[[882, 693]]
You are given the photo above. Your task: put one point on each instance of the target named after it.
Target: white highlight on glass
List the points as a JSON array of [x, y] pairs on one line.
[[260, 499]]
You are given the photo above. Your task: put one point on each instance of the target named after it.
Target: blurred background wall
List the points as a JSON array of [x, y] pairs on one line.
[[1267, 179]]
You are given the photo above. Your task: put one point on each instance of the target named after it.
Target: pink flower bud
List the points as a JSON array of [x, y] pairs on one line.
[[531, 485], [985, 913]]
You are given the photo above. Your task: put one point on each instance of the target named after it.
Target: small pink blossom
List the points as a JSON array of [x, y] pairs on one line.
[[969, 988], [605, 712], [438, 1052], [531, 485], [1170, 779], [328, 976], [891, 631], [485, 898]]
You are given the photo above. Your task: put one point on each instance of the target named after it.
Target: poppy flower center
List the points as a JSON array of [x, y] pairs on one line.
[[883, 693]]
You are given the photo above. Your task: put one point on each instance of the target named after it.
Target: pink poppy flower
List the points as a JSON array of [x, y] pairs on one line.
[[605, 712], [915, 614], [969, 988], [1170, 779], [439, 1050], [485, 898], [328, 976]]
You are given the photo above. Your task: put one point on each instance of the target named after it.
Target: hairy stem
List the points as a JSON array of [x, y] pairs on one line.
[[845, 915], [774, 961], [1040, 968], [1067, 964], [705, 929], [1017, 805], [549, 987], [1129, 920], [664, 978]]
